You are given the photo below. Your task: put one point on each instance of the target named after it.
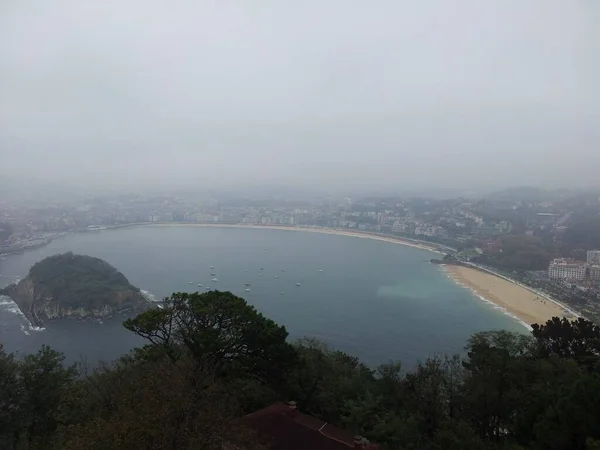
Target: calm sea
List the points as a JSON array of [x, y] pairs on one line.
[[375, 300]]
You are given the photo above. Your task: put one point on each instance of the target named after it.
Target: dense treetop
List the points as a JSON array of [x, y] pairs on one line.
[[583, 233], [211, 358], [78, 278], [520, 252]]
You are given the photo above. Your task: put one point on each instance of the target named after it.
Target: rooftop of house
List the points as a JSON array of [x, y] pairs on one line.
[[284, 427]]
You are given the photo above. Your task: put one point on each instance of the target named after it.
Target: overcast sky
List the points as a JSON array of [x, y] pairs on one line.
[[334, 94]]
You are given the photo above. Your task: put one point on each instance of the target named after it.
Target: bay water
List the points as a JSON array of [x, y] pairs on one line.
[[376, 300]]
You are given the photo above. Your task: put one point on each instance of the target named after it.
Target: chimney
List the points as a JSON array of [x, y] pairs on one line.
[[293, 409], [360, 442]]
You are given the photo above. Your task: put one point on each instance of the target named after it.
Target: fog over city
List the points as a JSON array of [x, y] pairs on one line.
[[332, 95]]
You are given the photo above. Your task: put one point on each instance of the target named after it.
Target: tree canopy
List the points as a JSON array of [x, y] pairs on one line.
[[521, 252], [211, 358], [220, 331], [578, 339], [583, 233], [74, 279]]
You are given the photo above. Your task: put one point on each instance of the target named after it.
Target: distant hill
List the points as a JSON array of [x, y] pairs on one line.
[[524, 193], [537, 195], [69, 285]]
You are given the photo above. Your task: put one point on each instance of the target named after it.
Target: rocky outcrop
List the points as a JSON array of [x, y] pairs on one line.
[[39, 308], [41, 302]]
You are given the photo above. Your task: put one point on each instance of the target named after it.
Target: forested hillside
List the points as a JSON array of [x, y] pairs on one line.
[[211, 358]]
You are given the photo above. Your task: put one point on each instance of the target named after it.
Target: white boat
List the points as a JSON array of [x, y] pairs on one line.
[[214, 280], [199, 285], [208, 288], [282, 292], [276, 276], [247, 284], [190, 282], [247, 289], [298, 284], [320, 270]]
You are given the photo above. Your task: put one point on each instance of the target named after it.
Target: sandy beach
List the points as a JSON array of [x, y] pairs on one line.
[[522, 303], [357, 234]]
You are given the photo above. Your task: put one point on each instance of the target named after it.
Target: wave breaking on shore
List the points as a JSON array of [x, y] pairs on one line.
[[485, 300], [513, 299], [7, 304], [149, 296]]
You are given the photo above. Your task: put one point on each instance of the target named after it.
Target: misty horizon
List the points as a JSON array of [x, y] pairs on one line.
[[328, 96]]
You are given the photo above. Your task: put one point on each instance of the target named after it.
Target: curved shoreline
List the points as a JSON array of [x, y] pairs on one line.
[[562, 306], [502, 301], [333, 231], [525, 304], [416, 243]]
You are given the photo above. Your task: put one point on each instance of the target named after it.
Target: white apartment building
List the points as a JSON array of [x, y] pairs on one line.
[[564, 269], [399, 227], [595, 273], [593, 257]]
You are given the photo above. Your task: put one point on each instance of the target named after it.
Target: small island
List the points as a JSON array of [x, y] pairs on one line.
[[77, 286]]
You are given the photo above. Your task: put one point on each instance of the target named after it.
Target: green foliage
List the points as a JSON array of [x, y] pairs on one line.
[[324, 380], [514, 344], [31, 390], [10, 399], [155, 404], [579, 339], [77, 280], [221, 332], [502, 396], [583, 233], [521, 252], [212, 358]]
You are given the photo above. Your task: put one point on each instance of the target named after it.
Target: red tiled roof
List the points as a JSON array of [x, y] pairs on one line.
[[285, 428]]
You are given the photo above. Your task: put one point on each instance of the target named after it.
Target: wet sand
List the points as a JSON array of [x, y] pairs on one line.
[[522, 303]]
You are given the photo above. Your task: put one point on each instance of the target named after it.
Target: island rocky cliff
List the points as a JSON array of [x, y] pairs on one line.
[[76, 286]]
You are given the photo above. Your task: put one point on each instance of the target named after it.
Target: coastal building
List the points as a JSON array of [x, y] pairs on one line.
[[595, 273], [567, 269], [593, 257], [503, 226], [399, 227]]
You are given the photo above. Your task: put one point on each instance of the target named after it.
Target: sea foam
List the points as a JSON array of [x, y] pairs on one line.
[[149, 296], [485, 300], [7, 304]]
